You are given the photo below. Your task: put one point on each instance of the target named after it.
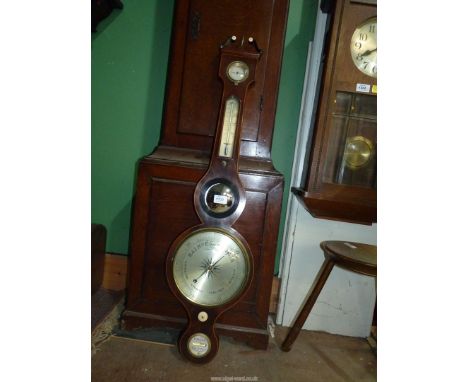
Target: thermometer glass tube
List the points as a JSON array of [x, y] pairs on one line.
[[228, 133]]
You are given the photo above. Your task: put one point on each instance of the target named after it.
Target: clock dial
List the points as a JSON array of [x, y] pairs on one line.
[[211, 267], [237, 71], [363, 47]]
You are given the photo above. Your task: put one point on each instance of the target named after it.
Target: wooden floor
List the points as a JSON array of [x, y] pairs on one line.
[[314, 357]]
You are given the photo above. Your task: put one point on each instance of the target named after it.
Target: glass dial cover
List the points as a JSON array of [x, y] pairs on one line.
[[199, 345], [220, 198], [211, 267], [237, 71]]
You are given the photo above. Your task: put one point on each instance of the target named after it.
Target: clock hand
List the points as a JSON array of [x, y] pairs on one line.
[[367, 52]]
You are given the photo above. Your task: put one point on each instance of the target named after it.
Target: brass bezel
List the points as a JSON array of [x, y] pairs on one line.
[[241, 64], [353, 164], [208, 341], [243, 250]]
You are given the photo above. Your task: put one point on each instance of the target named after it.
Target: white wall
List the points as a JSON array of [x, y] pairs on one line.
[[345, 305]]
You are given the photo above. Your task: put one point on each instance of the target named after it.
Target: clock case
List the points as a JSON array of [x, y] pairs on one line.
[[354, 201], [167, 178]]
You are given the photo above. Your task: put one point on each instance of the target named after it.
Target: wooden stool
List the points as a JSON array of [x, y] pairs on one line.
[[356, 257]]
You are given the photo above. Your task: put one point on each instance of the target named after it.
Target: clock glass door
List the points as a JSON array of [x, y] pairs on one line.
[[351, 157]]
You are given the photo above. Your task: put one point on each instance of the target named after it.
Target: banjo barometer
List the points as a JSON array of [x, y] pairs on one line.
[[210, 266]]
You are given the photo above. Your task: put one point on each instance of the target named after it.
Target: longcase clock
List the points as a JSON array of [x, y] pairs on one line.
[[209, 196]]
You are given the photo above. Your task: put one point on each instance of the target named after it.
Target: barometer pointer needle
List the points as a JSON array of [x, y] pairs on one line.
[[217, 261], [195, 280], [209, 269]]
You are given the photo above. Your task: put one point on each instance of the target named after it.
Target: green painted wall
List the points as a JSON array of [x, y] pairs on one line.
[[128, 62], [300, 30]]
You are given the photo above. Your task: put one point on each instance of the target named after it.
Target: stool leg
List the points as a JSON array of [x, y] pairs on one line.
[[320, 280]]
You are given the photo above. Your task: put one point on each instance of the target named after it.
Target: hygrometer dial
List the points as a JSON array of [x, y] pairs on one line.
[[237, 71]]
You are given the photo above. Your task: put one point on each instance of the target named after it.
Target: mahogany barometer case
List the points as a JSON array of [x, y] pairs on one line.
[[167, 179]]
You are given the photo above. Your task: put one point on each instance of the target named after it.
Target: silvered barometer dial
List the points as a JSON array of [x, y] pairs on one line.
[[363, 47], [211, 267]]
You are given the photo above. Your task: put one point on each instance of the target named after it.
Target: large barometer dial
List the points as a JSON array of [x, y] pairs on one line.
[[211, 267]]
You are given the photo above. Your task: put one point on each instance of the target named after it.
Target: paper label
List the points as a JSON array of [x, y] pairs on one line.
[[363, 88], [374, 89], [220, 199]]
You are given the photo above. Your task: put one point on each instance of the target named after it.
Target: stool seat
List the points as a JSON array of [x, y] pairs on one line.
[[356, 257]]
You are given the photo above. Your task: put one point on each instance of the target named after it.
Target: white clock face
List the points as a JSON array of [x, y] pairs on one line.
[[363, 47], [237, 71], [211, 267]]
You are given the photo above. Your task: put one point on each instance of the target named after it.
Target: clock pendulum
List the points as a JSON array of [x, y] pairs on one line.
[[210, 266]]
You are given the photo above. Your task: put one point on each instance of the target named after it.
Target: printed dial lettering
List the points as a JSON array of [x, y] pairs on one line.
[[211, 267]]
